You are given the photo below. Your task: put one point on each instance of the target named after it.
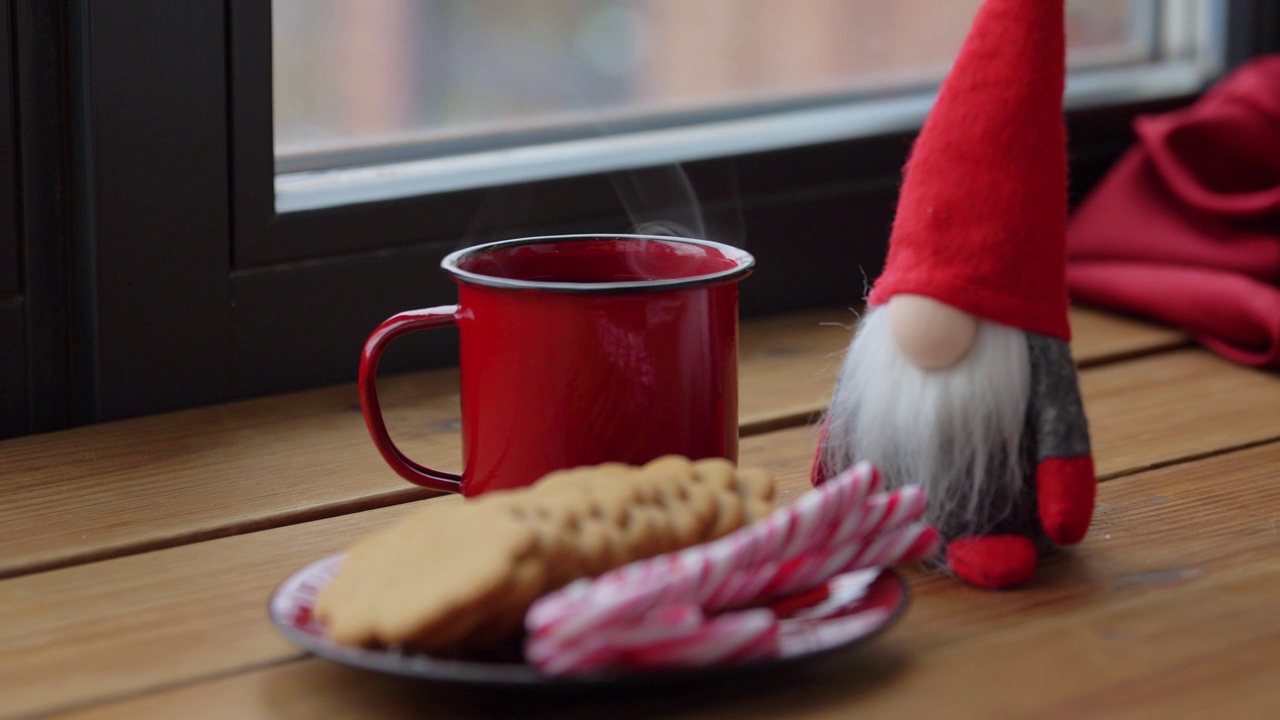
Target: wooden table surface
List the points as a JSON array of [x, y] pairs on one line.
[[136, 558]]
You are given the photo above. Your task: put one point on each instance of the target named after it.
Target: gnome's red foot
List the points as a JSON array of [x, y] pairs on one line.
[[992, 561]]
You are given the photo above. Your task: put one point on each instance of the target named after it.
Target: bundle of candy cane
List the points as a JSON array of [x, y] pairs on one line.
[[683, 609]]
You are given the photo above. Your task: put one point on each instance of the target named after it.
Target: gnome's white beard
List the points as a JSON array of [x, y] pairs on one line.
[[957, 432]]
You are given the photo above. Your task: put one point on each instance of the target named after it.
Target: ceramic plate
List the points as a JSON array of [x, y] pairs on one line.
[[860, 605]]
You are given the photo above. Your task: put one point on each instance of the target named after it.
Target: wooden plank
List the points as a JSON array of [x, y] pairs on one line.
[[1175, 406], [153, 482], [1099, 337], [149, 620], [1172, 593]]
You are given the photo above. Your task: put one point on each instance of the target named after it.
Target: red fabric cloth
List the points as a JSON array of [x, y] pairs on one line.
[[1186, 228], [982, 215]]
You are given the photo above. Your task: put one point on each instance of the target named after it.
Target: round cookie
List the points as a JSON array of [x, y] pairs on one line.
[[730, 515], [420, 575], [498, 622], [716, 473], [755, 483]]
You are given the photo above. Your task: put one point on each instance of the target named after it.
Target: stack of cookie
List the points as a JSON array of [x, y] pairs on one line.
[[462, 575]]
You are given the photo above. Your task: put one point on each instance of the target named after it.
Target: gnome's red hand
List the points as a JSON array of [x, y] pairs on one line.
[[1066, 489]]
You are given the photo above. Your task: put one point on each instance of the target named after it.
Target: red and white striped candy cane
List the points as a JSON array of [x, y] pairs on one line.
[[910, 543], [717, 576], [682, 637], [808, 523], [731, 637], [651, 614]]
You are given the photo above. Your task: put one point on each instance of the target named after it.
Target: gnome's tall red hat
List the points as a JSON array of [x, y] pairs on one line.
[[982, 214]]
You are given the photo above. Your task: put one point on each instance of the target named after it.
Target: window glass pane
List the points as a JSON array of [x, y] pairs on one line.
[[369, 73]]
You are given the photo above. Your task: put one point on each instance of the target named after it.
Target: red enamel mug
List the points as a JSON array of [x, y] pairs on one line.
[[578, 350]]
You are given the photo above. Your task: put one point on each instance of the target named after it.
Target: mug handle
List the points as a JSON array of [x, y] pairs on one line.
[[392, 328]]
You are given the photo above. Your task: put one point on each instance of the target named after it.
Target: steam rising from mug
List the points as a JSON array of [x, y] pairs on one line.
[[655, 200], [660, 201]]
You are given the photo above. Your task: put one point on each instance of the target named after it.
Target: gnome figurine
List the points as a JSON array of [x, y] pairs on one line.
[[960, 377]]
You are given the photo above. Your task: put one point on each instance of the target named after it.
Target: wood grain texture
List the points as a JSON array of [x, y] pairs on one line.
[[1174, 406], [216, 590], [126, 487], [1167, 609], [1100, 337], [117, 626], [128, 624]]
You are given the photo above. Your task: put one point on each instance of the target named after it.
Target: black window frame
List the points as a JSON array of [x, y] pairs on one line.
[[156, 274], [37, 381], [13, 361], [10, 288]]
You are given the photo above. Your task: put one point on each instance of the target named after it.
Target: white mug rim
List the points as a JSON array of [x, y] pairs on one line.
[[742, 261]]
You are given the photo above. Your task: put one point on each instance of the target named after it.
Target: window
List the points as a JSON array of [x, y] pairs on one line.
[[407, 95], [174, 254], [353, 76]]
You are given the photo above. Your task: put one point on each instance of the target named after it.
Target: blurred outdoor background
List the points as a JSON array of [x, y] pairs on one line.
[[360, 73]]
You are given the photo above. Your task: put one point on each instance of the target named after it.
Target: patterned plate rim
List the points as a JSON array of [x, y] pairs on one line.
[[289, 610]]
